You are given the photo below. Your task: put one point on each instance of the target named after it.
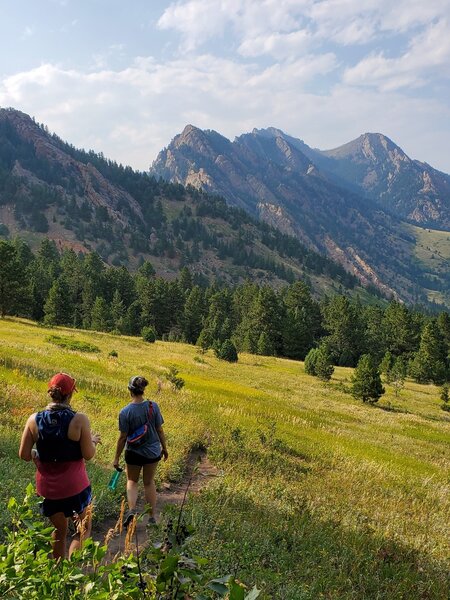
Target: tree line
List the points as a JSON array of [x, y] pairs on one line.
[[79, 290]]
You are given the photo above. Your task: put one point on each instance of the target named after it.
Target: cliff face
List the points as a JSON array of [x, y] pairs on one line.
[[407, 188], [42, 160]]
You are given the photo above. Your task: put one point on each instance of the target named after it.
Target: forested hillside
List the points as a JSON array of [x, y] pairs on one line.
[[81, 291], [302, 192], [82, 201]]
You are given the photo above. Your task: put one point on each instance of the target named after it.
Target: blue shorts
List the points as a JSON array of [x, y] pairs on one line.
[[72, 506]]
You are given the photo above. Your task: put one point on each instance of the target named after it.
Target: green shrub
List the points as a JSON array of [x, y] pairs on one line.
[[227, 351], [311, 360], [113, 353], [71, 344], [164, 571], [172, 377], [148, 334]]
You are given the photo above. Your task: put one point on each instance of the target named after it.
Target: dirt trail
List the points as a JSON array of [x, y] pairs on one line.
[[198, 471]]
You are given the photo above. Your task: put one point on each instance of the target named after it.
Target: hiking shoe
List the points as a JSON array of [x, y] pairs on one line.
[[129, 517]]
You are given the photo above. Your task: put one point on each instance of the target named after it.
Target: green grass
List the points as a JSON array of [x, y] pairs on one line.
[[432, 250], [319, 496]]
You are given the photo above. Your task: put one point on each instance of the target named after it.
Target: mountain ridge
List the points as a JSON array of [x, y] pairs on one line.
[[303, 192]]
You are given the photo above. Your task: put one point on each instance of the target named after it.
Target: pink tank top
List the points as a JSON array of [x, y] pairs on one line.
[[56, 481]]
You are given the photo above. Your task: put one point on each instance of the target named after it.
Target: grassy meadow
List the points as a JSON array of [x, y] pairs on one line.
[[318, 495]]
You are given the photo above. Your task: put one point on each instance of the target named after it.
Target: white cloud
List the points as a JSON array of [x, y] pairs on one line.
[[428, 54], [279, 45], [131, 114], [264, 25]]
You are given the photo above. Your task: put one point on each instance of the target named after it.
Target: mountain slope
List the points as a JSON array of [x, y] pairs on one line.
[[408, 188], [277, 178], [50, 189]]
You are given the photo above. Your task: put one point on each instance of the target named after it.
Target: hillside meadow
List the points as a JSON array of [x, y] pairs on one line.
[[318, 495]]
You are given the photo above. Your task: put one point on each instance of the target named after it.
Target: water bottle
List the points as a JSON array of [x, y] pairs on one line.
[[115, 478]]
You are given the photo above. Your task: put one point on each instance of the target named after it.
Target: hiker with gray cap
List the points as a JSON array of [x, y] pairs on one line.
[[142, 436]]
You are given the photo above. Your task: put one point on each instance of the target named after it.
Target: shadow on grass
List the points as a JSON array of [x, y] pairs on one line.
[[294, 555]]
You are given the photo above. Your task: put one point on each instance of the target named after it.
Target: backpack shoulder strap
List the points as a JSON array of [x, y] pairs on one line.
[[150, 410]]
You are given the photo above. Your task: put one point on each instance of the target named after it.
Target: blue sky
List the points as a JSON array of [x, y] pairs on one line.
[[124, 78]]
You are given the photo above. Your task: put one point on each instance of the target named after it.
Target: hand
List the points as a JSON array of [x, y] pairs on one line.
[[116, 464], [96, 439], [34, 455], [165, 454]]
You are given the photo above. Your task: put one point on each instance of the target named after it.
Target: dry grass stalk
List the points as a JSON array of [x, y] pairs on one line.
[[119, 524], [129, 537], [83, 525]]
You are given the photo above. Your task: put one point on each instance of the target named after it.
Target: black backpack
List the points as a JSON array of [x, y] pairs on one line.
[[52, 444]]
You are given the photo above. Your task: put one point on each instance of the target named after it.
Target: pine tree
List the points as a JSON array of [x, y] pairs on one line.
[[132, 321], [311, 361], [227, 351], [399, 331], [58, 308], [397, 375], [117, 311], [193, 314], [430, 363], [366, 380], [344, 322], [323, 366], [100, 315], [301, 323], [11, 278], [266, 346], [386, 364]]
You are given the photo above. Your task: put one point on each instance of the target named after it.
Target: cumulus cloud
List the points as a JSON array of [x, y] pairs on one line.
[[131, 114], [428, 52], [264, 25]]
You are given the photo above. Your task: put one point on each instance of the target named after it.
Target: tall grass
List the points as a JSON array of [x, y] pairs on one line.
[[319, 496]]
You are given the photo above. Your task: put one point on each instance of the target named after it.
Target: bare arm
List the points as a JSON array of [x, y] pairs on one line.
[[162, 439], [27, 441], [119, 448], [88, 441]]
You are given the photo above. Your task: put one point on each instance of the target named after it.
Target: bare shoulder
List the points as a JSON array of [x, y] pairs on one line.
[[31, 421], [81, 419]]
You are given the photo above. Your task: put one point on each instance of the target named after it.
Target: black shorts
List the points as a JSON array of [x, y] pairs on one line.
[[138, 460], [72, 506]]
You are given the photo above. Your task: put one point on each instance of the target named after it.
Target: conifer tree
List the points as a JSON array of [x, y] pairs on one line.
[[227, 351], [324, 368], [301, 323], [193, 314], [344, 323], [366, 380], [430, 363], [100, 315], [11, 278], [386, 364], [58, 308], [311, 361], [117, 311]]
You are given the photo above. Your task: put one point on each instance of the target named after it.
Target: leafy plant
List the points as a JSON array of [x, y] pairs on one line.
[[172, 377], [227, 351], [148, 334], [164, 572]]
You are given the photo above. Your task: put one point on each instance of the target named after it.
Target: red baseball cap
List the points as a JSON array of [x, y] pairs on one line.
[[64, 382]]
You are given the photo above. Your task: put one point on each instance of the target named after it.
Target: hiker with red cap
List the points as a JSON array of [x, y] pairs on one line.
[[63, 442]]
